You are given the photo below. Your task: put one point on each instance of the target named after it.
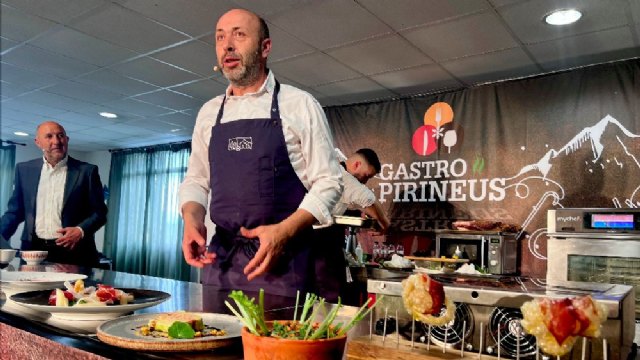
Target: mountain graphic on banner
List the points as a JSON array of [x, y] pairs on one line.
[[597, 168], [591, 135]]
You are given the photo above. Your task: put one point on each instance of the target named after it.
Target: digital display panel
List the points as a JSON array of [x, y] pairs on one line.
[[612, 221], [495, 241]]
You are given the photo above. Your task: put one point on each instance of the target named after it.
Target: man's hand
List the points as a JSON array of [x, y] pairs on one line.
[[194, 244], [70, 237], [272, 240]]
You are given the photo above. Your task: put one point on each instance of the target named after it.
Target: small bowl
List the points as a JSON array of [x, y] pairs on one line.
[[34, 257], [6, 255]]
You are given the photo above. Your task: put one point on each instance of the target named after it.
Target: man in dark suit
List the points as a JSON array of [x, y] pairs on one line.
[[59, 199]]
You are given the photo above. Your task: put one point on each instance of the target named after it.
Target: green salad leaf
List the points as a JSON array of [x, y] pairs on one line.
[[181, 330]]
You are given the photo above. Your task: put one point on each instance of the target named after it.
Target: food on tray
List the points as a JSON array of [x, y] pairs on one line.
[[78, 295], [484, 225], [398, 261], [164, 321], [179, 325], [556, 323], [424, 298]]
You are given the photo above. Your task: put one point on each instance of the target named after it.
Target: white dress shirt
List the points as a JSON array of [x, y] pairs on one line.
[[49, 199], [307, 137]]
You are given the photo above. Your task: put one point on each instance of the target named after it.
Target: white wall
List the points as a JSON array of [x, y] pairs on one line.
[[100, 158]]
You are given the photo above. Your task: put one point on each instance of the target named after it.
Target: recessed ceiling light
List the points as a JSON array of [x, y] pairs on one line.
[[563, 17], [108, 115], [175, 130], [21, 133]]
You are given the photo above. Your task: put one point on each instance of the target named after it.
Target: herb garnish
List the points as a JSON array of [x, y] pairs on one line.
[[304, 328]]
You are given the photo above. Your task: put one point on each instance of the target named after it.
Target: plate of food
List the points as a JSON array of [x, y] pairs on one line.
[[16, 281], [77, 302], [176, 331]]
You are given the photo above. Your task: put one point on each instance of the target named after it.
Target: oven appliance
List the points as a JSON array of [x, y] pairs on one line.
[[487, 321], [496, 252], [595, 245]]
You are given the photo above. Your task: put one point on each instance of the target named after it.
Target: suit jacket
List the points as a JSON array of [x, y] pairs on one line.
[[83, 205]]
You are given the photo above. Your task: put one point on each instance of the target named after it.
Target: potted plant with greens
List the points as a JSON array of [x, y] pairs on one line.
[[303, 337]]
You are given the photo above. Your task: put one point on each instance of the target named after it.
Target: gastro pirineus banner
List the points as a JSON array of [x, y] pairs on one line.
[[505, 152]]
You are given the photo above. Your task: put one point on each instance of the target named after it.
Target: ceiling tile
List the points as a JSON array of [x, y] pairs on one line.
[[178, 119], [410, 13], [115, 82], [147, 127], [137, 107], [285, 45], [12, 90], [585, 49], [194, 23], [92, 113], [170, 99], [17, 26], [416, 80], [26, 78], [313, 69], [488, 67], [499, 3], [47, 62], [6, 44], [84, 92], [13, 114], [202, 89], [330, 23], [356, 90], [75, 44], [31, 107], [59, 10], [195, 56], [380, 55], [54, 101], [125, 28], [264, 8], [450, 40], [597, 15], [154, 72]]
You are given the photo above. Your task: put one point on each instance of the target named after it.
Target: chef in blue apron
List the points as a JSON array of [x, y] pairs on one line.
[[263, 152]]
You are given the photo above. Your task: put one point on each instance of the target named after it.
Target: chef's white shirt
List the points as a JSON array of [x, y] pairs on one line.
[[307, 137]]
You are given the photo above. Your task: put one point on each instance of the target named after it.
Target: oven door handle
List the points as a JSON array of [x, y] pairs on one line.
[[483, 240]]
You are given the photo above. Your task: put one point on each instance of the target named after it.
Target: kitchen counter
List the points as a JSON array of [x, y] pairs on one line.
[[26, 336]]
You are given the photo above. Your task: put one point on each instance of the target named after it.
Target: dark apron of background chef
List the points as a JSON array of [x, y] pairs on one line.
[[253, 184]]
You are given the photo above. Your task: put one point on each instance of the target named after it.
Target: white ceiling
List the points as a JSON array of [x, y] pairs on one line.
[[150, 61]]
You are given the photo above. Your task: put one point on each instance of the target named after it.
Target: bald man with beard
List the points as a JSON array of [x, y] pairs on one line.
[[60, 200]]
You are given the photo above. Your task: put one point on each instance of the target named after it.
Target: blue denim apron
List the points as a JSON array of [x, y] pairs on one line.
[[253, 184]]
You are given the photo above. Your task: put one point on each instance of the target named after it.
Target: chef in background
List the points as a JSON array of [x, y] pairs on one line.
[[265, 152], [357, 169]]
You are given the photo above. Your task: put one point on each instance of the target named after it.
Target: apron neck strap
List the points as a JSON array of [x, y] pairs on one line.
[[275, 107]]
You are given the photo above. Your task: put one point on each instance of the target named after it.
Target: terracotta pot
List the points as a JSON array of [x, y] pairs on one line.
[[270, 348]]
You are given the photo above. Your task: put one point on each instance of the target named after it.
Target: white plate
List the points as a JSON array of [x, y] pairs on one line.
[[122, 332], [38, 300], [15, 281]]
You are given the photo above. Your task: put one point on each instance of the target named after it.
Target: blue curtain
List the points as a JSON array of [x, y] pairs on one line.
[[7, 167], [144, 228]]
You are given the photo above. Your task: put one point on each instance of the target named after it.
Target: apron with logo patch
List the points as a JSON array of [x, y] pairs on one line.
[[253, 184]]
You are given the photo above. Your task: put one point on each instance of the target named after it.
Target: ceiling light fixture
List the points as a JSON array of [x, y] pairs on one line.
[[563, 17], [21, 133], [108, 115]]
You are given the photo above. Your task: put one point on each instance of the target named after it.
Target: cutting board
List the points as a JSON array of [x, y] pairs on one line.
[[436, 259], [364, 348]]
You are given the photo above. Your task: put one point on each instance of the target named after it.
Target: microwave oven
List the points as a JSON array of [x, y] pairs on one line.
[[496, 252]]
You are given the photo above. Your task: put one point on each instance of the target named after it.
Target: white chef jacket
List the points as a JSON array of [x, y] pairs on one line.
[[307, 137], [355, 194]]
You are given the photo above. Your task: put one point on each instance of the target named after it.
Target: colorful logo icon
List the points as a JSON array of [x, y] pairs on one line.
[[426, 138]]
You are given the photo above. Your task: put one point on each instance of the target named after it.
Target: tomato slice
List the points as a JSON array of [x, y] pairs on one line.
[[106, 293]]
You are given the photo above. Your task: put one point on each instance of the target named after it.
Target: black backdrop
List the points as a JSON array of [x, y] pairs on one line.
[[506, 151]]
